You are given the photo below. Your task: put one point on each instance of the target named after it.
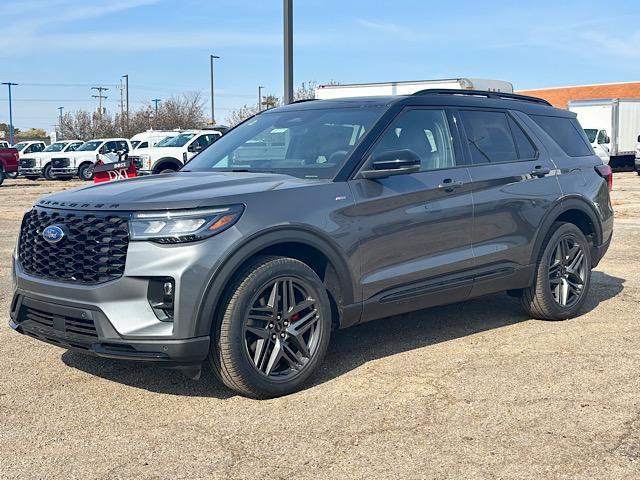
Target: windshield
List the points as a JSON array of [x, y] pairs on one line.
[[164, 141], [179, 140], [591, 134], [20, 146], [303, 143], [55, 147], [89, 146]]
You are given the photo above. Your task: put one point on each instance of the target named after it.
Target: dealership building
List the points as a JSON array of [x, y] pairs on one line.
[[560, 96]]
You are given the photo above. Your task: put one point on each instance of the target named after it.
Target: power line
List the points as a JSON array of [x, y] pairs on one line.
[[99, 96]]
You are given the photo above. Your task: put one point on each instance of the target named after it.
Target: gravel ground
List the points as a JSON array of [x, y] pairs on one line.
[[472, 390]]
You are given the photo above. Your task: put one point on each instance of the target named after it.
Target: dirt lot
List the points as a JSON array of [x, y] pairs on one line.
[[472, 390]]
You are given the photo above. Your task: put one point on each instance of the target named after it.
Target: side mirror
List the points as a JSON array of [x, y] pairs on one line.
[[638, 138], [392, 162]]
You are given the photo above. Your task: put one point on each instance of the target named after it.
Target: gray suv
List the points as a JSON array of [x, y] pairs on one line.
[[315, 216]]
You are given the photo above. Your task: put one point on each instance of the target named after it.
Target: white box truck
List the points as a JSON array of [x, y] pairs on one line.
[[612, 126], [325, 92]]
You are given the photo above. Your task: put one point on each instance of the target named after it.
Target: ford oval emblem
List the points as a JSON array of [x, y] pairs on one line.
[[53, 234]]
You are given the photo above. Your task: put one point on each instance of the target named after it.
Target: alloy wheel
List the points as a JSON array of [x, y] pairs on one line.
[[282, 328], [567, 272]]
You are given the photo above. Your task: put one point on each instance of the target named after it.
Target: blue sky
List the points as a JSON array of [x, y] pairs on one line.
[[57, 49]]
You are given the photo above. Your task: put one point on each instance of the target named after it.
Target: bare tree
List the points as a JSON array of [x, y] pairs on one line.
[[184, 111], [306, 91]]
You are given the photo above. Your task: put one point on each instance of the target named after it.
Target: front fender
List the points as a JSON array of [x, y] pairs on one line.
[[238, 254]]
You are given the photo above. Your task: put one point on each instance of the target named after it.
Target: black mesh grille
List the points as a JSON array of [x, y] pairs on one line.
[[93, 249], [28, 162], [60, 162], [137, 161]]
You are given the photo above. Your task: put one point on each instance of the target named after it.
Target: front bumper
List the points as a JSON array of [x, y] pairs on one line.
[[30, 171], [88, 330], [115, 317], [65, 171]]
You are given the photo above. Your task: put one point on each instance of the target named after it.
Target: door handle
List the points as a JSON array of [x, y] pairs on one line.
[[448, 185], [539, 171]]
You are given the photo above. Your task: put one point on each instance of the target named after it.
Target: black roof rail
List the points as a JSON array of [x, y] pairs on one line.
[[482, 93], [303, 100]]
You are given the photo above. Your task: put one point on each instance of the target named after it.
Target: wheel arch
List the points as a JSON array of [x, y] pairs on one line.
[[166, 161], [574, 210], [307, 246]]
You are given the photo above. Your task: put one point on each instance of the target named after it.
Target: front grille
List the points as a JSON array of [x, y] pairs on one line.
[[92, 250], [137, 161], [68, 325], [28, 162], [60, 162]]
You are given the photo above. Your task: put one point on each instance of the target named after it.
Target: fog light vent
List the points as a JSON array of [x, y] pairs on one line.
[[161, 297]]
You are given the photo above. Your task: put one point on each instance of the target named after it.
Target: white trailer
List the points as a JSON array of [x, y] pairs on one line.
[[613, 127], [325, 92]]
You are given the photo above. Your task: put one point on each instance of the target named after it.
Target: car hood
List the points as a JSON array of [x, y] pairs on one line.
[[176, 190]]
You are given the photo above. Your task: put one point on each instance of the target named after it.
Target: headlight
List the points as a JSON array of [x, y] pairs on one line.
[[145, 158], [178, 226]]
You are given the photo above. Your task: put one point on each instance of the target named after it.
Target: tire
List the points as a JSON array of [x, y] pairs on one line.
[[254, 356], [560, 286], [47, 173], [2, 174], [85, 172], [167, 170]]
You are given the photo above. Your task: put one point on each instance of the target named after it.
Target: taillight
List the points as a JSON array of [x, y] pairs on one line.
[[605, 172]]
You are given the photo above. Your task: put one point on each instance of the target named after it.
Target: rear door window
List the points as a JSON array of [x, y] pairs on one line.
[[526, 150], [489, 136], [566, 133]]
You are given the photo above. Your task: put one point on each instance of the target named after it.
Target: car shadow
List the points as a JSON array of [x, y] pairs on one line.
[[352, 347]]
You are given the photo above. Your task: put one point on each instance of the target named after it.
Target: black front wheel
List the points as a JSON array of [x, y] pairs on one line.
[[85, 172], [563, 275], [274, 330], [47, 173]]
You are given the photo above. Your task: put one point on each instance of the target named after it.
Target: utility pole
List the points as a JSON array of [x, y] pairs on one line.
[[260, 87], [126, 89], [100, 97], [288, 50], [61, 131], [156, 101], [213, 114], [121, 98], [9, 84]]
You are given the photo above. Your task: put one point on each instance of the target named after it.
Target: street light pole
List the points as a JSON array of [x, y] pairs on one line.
[[61, 130], [213, 115], [9, 84], [156, 101], [260, 98], [288, 50]]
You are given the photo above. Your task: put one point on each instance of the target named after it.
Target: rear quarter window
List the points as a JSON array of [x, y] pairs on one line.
[[566, 132]]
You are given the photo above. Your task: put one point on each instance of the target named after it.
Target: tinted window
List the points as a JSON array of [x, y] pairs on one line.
[[565, 133], [426, 133], [602, 137], [122, 146], [591, 134], [140, 144], [526, 150], [489, 136], [307, 143], [73, 147]]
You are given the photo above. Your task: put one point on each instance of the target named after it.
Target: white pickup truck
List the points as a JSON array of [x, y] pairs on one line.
[[81, 162], [35, 165], [174, 153]]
